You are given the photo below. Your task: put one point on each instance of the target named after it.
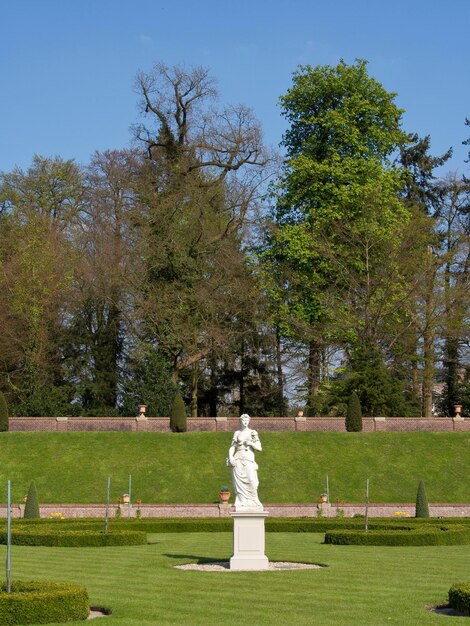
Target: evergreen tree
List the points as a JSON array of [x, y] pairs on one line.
[[4, 426], [422, 507], [31, 509], [354, 414], [178, 423]]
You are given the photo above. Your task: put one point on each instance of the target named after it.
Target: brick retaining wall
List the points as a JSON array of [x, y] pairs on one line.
[[222, 510], [212, 424]]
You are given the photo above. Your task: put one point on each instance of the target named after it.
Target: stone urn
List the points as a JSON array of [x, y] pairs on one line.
[[224, 494]]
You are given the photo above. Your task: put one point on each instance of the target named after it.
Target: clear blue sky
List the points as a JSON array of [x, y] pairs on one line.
[[67, 67]]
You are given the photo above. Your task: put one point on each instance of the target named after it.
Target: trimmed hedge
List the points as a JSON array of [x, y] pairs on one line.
[[39, 602], [74, 538], [406, 536], [225, 524], [178, 419], [31, 509], [459, 597], [422, 506]]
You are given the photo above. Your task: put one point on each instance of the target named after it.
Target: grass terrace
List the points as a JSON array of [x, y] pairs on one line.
[[190, 467]]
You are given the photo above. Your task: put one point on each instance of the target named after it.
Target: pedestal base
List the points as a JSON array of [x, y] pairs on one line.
[[248, 541]]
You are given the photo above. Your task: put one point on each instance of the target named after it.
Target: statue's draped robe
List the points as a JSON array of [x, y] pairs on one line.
[[245, 471]]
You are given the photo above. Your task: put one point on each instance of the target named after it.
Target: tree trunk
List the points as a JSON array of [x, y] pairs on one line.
[[242, 379], [280, 378], [194, 383], [313, 375], [428, 341]]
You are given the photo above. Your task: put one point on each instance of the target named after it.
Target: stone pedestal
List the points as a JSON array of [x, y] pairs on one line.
[[248, 541]]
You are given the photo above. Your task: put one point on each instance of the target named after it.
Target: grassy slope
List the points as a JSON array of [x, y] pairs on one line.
[[190, 467], [362, 586]]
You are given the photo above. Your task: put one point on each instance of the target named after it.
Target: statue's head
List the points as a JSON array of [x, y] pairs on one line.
[[244, 419]]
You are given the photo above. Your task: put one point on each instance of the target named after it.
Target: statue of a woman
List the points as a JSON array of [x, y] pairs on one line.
[[241, 457]]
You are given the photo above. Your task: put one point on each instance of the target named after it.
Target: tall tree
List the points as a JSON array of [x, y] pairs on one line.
[[108, 247], [40, 211], [202, 177], [454, 230], [339, 185]]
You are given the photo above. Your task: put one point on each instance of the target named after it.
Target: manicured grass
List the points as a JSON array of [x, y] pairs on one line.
[[363, 586], [190, 467]]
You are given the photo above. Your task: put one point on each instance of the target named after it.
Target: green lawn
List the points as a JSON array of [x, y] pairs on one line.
[[190, 467], [361, 585]]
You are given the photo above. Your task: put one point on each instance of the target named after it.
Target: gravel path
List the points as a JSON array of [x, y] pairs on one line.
[[224, 566]]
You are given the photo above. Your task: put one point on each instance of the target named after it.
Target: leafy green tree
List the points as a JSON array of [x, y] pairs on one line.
[[40, 210], [178, 421], [422, 507], [339, 185], [4, 423], [354, 414], [31, 509]]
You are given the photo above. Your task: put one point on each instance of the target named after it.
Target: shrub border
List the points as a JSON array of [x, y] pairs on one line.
[[429, 535], [459, 597], [41, 602], [65, 538]]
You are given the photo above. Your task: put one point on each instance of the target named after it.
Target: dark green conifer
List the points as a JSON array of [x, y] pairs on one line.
[[422, 507], [178, 423], [4, 424], [31, 509], [354, 414]]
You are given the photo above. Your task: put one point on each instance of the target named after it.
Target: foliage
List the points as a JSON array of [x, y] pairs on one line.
[[412, 536], [31, 508], [354, 414], [4, 422], [459, 597], [51, 401], [422, 507], [40, 206], [40, 602], [200, 179], [381, 394], [338, 217], [61, 538], [178, 421], [149, 382]]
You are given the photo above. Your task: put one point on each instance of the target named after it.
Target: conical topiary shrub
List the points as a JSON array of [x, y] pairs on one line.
[[354, 414], [422, 507], [31, 509], [178, 423], [4, 425]]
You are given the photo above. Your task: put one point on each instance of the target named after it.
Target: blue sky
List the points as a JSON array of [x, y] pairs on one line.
[[67, 67]]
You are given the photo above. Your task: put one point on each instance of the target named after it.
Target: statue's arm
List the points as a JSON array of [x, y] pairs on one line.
[[255, 442], [232, 450]]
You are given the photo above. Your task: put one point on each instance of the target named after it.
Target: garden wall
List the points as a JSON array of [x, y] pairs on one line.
[[222, 510], [208, 424]]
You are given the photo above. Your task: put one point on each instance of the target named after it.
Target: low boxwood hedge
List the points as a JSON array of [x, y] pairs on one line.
[[426, 535], [459, 597], [225, 524], [74, 538], [39, 602]]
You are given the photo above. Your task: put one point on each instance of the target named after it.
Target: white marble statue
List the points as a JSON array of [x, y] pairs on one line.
[[241, 457]]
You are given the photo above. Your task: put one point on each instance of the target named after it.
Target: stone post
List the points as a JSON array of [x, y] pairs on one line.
[[62, 424]]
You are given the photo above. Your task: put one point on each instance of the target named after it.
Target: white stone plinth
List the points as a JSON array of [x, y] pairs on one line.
[[248, 541]]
